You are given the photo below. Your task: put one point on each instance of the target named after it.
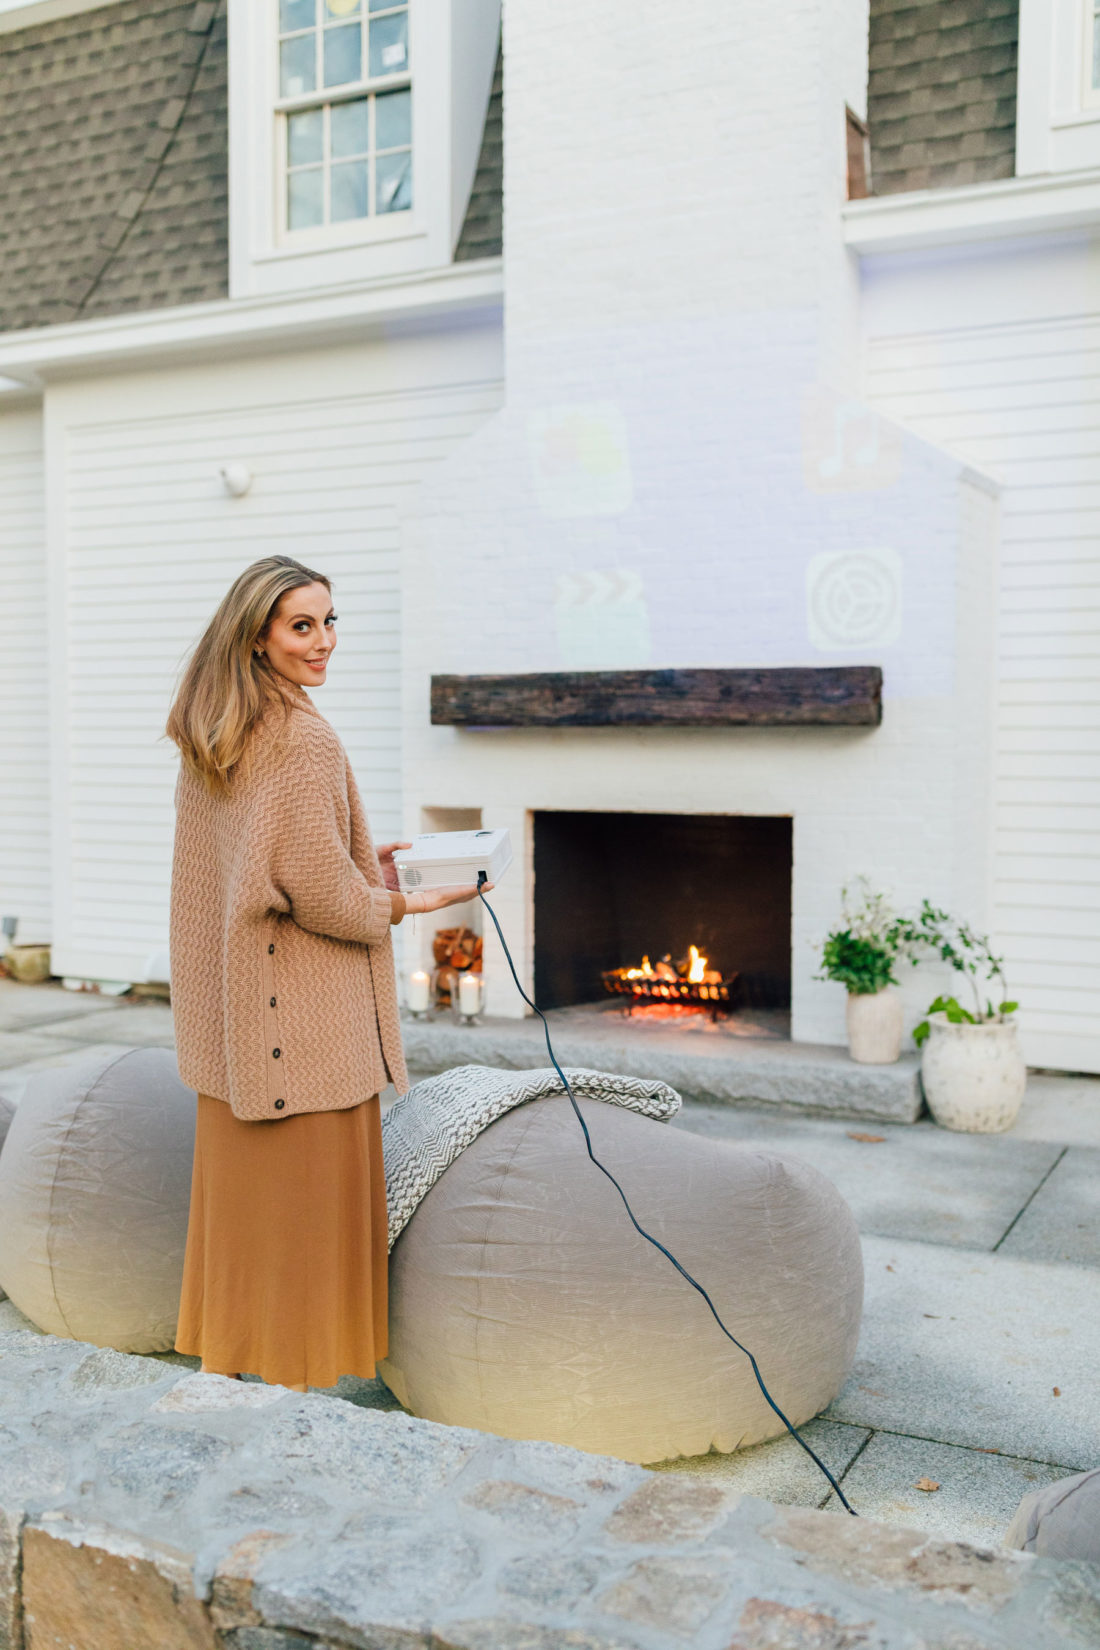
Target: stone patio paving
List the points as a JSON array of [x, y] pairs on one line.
[[983, 1287]]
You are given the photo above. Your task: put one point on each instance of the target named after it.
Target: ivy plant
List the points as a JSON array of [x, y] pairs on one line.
[[969, 954]]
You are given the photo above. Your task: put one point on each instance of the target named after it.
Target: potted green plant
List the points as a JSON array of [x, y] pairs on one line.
[[860, 954], [972, 1070]]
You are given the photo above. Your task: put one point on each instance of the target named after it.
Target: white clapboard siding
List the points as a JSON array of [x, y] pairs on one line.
[[1023, 400], [24, 680], [152, 542]]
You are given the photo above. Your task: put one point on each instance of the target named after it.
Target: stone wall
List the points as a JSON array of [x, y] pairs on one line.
[[142, 1508]]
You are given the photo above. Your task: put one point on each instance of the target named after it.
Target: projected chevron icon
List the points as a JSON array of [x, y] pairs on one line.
[[602, 619]]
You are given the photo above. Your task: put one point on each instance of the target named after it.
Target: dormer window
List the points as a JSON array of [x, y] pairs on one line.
[[345, 111], [354, 133]]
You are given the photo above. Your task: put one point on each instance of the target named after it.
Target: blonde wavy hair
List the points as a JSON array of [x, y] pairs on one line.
[[228, 685]]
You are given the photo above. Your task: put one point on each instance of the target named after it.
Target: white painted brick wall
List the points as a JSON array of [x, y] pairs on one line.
[[680, 346]]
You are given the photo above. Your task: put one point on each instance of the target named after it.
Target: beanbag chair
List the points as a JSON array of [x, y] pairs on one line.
[[523, 1303], [1061, 1520], [7, 1112], [95, 1181]]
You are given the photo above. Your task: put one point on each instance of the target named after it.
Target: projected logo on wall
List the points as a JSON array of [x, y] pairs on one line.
[[847, 447], [853, 599], [580, 461]]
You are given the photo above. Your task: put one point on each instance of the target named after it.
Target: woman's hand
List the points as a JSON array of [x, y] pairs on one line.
[[389, 869], [419, 900]]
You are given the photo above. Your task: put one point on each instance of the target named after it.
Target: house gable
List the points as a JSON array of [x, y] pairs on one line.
[[114, 160]]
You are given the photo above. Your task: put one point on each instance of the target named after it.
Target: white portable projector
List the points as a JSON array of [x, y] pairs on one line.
[[449, 859]]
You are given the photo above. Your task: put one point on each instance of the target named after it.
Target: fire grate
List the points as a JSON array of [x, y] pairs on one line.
[[719, 996]]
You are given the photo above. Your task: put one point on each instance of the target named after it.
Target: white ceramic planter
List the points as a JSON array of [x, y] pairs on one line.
[[874, 1026], [974, 1076]]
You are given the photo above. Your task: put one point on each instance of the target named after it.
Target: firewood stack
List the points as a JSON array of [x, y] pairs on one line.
[[454, 950]]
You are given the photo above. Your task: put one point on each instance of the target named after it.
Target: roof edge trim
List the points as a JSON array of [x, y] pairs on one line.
[[33, 356], [27, 14], [1012, 207]]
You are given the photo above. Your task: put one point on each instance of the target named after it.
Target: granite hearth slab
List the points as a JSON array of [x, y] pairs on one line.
[[717, 1070]]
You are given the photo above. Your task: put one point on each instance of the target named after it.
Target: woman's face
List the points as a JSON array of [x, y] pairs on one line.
[[301, 635]]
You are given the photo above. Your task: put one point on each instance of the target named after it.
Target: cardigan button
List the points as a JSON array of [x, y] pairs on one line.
[[275, 1053], [270, 950], [279, 1104], [273, 1002]]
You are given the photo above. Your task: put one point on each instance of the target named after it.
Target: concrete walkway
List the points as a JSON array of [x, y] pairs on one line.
[[977, 1363]]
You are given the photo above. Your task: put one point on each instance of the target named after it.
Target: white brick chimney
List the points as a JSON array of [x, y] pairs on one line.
[[682, 473]]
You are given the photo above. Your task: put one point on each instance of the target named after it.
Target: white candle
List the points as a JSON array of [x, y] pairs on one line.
[[469, 993], [420, 991]]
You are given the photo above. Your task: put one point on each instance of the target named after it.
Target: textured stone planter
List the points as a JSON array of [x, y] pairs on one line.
[[874, 1026], [30, 964], [974, 1075]]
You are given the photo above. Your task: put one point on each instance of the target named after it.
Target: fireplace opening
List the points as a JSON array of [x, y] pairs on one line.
[[613, 889]]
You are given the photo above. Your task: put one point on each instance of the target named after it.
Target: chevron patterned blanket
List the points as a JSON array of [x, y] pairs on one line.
[[428, 1127]]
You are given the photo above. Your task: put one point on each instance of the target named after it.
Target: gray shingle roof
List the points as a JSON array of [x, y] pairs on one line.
[[113, 157], [482, 230], [941, 102]]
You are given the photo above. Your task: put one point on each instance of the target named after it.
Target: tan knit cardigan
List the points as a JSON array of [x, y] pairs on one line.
[[281, 958]]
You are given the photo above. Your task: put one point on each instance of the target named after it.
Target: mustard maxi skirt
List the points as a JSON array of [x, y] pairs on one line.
[[286, 1265]]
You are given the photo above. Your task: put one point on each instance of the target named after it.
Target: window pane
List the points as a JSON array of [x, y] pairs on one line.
[[350, 127], [295, 14], [305, 135], [343, 56], [389, 44], [305, 200], [349, 190], [341, 8], [393, 120], [384, 5], [297, 66], [393, 181]]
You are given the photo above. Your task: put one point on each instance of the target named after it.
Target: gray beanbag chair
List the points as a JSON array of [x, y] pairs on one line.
[[523, 1303], [95, 1181], [1061, 1520], [7, 1112]]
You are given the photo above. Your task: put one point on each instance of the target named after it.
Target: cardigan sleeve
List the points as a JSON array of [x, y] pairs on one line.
[[312, 866]]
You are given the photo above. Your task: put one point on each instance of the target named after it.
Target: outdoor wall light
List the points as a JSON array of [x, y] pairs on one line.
[[236, 479]]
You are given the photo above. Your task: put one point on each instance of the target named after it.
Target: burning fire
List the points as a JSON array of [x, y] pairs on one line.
[[693, 968], [674, 987]]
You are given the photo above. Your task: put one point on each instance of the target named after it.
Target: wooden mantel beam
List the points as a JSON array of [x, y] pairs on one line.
[[826, 696]]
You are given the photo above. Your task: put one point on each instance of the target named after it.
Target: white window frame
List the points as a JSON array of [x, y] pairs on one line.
[[352, 230], [267, 258], [1090, 94], [452, 48], [1057, 109]]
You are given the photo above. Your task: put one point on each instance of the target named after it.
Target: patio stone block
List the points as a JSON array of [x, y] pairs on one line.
[[854, 1551], [967, 1348], [1062, 1222], [100, 1589]]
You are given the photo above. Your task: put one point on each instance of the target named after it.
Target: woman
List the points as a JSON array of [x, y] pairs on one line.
[[285, 1001]]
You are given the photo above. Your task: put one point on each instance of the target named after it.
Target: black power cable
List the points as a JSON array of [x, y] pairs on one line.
[[669, 1256]]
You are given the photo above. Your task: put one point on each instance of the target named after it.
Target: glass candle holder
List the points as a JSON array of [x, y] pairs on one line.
[[468, 997]]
